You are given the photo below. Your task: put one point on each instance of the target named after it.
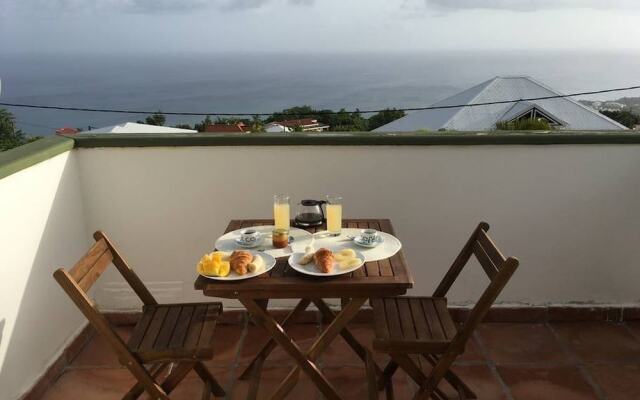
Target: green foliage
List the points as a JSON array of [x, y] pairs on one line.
[[384, 117], [525, 124], [256, 125], [201, 126], [626, 118], [10, 136], [183, 126], [157, 119]]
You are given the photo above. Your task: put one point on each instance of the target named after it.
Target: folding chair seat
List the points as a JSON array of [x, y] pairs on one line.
[[412, 324], [169, 339], [172, 332], [413, 330]]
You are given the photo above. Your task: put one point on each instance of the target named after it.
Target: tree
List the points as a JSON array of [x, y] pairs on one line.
[[626, 118], [183, 126], [257, 125], [202, 126], [384, 117], [10, 136], [157, 119]]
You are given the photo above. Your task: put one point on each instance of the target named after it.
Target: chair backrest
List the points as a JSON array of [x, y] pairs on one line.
[[80, 278], [498, 268]]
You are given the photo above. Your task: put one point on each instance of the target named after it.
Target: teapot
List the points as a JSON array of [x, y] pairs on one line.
[[310, 213]]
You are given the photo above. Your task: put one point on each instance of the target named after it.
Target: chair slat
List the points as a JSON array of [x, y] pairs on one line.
[[179, 335], [433, 320], [153, 330], [491, 249], [96, 270], [406, 319], [168, 327], [485, 261], [195, 328], [422, 328], [393, 320], [80, 269], [209, 325], [448, 326], [379, 319]]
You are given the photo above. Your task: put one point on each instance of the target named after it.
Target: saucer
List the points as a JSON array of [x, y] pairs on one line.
[[249, 245], [358, 240]]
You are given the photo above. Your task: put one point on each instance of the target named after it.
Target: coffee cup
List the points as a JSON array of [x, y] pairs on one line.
[[250, 237], [369, 236]]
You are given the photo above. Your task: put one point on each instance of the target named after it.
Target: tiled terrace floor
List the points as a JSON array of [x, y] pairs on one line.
[[568, 361]]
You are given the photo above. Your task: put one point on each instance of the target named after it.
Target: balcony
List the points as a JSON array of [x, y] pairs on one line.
[[564, 204]]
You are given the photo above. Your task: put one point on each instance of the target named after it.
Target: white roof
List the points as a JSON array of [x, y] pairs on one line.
[[132, 127], [574, 115]]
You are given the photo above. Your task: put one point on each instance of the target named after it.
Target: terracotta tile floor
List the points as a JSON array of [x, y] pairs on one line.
[[521, 361]]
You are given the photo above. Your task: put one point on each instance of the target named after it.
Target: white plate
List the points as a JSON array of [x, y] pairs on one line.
[[269, 262], [389, 246], [227, 242], [311, 269]]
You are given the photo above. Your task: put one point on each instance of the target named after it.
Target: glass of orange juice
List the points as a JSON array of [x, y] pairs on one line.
[[281, 214], [334, 215]]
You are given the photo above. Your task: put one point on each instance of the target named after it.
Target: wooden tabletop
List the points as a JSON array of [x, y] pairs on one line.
[[390, 277]]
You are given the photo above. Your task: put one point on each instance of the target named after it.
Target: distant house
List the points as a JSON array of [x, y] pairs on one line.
[[275, 127], [306, 124], [227, 128], [561, 113], [133, 127], [67, 131]]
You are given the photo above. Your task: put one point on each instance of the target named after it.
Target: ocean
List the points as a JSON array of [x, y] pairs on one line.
[[267, 82]]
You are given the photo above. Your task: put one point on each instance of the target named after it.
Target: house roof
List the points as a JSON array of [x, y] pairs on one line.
[[574, 115], [67, 131], [219, 128], [292, 123], [132, 127]]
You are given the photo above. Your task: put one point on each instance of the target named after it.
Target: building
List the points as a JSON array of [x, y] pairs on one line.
[[275, 127], [133, 127], [306, 124], [67, 131], [227, 128], [561, 113]]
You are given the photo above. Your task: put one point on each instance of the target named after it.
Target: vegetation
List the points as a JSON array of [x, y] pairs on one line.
[[157, 119], [626, 118], [525, 124], [10, 136], [342, 121]]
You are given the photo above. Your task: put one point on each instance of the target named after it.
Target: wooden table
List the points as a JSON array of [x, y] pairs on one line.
[[390, 277]]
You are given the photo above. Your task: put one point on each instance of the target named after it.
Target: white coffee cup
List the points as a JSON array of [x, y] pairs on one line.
[[250, 236], [369, 236]]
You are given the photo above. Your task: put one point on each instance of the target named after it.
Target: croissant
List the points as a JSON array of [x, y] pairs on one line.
[[239, 261], [324, 260]]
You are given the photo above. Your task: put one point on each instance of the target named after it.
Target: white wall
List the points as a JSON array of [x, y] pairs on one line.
[[570, 213], [41, 228]]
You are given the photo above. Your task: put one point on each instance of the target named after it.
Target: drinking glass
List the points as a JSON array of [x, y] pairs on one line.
[[281, 214], [334, 215]]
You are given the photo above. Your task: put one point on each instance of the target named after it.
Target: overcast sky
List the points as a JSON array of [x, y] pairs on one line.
[[316, 25]]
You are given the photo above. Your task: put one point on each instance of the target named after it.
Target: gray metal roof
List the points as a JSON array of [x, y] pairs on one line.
[[574, 115]]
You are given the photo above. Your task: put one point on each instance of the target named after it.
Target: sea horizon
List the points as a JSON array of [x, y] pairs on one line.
[[260, 82]]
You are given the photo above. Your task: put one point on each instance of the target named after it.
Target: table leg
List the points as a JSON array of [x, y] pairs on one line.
[[270, 345], [271, 325], [348, 337], [335, 327]]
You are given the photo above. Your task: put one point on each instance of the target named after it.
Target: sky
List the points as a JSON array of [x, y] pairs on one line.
[[162, 26]]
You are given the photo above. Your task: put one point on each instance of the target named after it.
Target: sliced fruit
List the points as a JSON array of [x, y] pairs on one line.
[[348, 253], [224, 267], [349, 263]]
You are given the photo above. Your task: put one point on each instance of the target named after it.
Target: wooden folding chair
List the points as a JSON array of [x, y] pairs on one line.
[[415, 330], [168, 335]]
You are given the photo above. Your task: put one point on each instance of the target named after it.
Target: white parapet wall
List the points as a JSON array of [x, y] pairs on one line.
[[568, 212], [42, 227]]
